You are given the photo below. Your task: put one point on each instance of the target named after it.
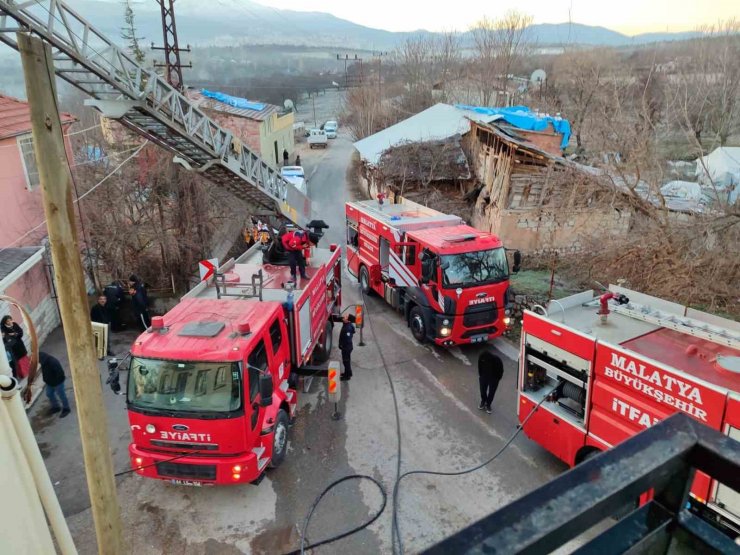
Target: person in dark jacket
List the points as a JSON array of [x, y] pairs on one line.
[[346, 334], [136, 283], [114, 295], [99, 313], [285, 157], [490, 372], [13, 342], [138, 301], [53, 374]]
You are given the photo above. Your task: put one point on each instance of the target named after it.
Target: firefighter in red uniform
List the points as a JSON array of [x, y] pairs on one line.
[[294, 242]]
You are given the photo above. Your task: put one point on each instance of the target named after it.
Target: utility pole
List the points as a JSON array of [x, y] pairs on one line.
[[172, 64], [380, 55], [313, 99], [56, 184], [347, 59]]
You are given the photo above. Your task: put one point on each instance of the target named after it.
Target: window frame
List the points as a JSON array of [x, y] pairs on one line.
[[276, 346], [20, 142]]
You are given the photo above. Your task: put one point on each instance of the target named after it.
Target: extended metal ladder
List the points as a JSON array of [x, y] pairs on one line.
[[683, 324], [145, 103]]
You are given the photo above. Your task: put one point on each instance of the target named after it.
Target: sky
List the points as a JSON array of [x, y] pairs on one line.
[[630, 17]]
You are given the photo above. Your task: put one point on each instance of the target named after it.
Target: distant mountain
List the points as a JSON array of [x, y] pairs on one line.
[[225, 22]]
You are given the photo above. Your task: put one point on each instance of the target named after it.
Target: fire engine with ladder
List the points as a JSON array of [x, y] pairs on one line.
[[212, 384], [450, 280], [607, 367]]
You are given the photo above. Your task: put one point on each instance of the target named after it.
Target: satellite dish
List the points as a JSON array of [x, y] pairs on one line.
[[538, 76], [288, 104]]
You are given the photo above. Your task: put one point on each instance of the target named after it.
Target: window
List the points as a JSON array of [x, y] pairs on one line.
[[257, 362], [25, 145], [276, 336], [352, 236]]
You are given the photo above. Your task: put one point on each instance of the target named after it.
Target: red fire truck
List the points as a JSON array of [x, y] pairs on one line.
[[212, 383], [610, 366], [449, 280]]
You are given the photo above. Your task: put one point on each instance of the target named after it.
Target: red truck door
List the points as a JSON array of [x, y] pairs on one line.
[[256, 363], [402, 266]]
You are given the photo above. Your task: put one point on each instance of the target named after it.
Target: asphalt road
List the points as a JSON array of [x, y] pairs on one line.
[[441, 429]]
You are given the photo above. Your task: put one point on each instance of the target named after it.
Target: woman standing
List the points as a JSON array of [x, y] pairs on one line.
[[13, 341]]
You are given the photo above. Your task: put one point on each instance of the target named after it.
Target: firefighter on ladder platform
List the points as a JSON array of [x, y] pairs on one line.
[[294, 242]]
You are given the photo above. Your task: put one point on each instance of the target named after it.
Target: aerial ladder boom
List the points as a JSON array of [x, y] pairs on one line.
[[147, 104]]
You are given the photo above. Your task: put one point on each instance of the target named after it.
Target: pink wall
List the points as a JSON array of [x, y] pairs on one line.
[[22, 209]]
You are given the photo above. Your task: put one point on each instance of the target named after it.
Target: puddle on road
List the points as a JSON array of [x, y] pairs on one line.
[[276, 540]]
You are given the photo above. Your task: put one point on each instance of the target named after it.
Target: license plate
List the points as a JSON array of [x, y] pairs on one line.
[[186, 483]]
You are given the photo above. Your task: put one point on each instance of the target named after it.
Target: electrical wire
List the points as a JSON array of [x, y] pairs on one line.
[[354, 530], [98, 184]]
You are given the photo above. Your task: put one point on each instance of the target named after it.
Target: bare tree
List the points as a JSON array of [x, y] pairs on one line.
[[499, 46], [579, 76]]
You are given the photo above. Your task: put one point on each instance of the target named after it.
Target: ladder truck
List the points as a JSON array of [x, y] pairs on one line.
[[606, 367], [212, 383]]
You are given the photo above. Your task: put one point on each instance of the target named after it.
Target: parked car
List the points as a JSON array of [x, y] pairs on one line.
[[330, 128], [317, 138], [296, 177]]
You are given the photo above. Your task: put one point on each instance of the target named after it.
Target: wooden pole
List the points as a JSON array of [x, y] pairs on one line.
[[56, 184]]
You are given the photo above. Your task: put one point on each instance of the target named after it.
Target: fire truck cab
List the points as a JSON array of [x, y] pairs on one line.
[[211, 385], [449, 280], [606, 367]]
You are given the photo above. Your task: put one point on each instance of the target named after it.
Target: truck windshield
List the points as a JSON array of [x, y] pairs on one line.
[[174, 386], [474, 268]]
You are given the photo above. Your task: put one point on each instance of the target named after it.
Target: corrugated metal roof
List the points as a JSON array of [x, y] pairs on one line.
[[209, 104], [15, 117], [10, 259]]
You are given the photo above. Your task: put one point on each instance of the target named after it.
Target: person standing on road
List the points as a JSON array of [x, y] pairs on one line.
[[53, 374], [346, 334], [294, 242], [297, 160], [490, 372], [285, 157], [140, 309], [13, 342]]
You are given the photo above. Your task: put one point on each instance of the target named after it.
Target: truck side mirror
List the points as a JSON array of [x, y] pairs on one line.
[[266, 389]]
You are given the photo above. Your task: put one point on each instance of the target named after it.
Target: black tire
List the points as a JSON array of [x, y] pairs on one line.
[[323, 350], [280, 439], [417, 325], [364, 279]]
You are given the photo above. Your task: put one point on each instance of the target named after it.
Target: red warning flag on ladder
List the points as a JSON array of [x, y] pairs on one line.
[[207, 268]]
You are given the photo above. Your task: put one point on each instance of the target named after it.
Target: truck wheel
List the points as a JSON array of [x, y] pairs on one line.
[[323, 350], [365, 281], [416, 323], [279, 439]]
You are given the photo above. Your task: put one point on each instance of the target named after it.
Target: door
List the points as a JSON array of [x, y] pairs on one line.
[[256, 365], [277, 155], [385, 249], [402, 261], [279, 351]]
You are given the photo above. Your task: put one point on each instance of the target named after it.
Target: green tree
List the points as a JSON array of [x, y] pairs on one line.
[[128, 33]]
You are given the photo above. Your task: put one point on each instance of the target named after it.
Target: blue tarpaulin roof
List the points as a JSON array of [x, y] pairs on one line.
[[234, 101], [524, 118]]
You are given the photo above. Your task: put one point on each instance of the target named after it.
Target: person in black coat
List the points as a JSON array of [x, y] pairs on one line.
[[114, 296], [13, 342], [346, 334], [53, 374], [141, 312], [490, 372], [99, 313]]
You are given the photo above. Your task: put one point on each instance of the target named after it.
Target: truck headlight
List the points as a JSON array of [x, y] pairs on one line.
[[507, 312], [444, 331], [507, 320], [445, 322]]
